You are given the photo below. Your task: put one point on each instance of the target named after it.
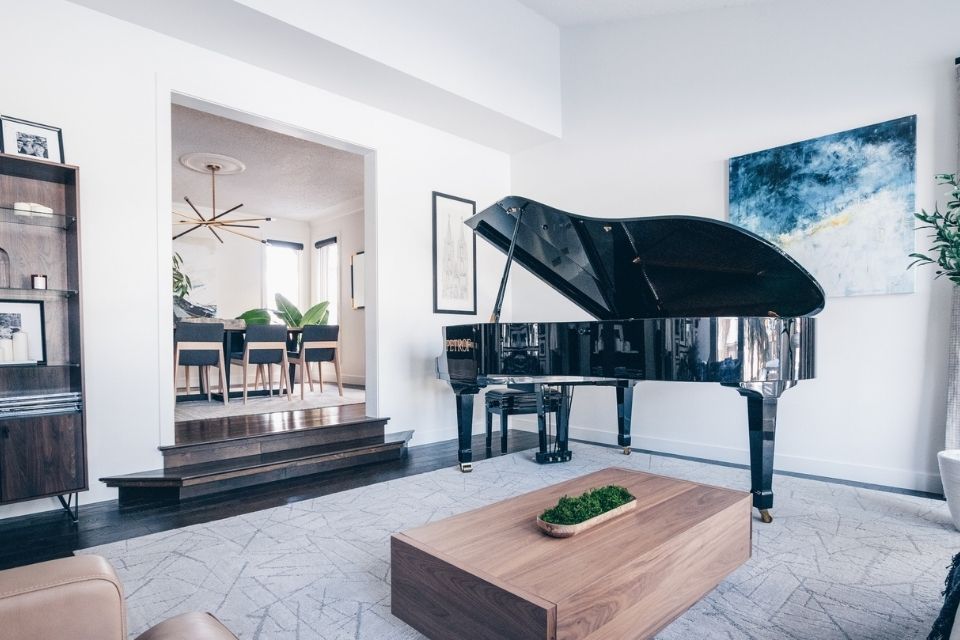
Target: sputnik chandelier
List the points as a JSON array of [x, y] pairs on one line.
[[214, 163]]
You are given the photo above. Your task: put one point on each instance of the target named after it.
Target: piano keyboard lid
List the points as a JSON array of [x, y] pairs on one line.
[[656, 267]]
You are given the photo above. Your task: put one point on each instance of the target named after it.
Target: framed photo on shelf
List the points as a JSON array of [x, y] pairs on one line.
[[31, 139], [22, 337], [358, 271], [454, 255]]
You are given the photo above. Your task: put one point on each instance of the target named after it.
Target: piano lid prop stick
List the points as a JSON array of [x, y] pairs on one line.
[[495, 316]]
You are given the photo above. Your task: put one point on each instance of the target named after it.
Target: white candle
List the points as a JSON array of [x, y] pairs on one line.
[[21, 347], [6, 350]]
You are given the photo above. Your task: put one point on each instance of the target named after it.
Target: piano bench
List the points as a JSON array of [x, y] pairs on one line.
[[512, 402]]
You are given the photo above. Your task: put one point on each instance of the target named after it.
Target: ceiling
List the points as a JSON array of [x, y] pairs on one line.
[[286, 177], [572, 13]]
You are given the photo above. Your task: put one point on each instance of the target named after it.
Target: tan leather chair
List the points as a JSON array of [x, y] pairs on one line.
[[81, 598]]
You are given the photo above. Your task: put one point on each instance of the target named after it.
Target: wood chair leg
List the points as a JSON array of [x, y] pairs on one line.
[[336, 366], [206, 379], [270, 378], [186, 375], [223, 381], [320, 375], [304, 373], [309, 374], [256, 378], [245, 363], [285, 376]]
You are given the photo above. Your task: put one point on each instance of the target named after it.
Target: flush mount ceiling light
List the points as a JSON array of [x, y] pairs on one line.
[[214, 163]]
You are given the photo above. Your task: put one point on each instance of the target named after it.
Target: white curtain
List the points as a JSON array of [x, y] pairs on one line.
[[953, 364]]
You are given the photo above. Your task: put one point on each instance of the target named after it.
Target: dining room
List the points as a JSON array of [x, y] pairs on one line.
[[267, 270]]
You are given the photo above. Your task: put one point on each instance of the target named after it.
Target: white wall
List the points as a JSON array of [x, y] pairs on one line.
[[230, 275], [652, 111], [498, 53], [95, 74], [348, 230]]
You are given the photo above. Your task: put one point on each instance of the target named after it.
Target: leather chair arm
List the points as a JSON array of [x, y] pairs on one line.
[[78, 598], [189, 626]]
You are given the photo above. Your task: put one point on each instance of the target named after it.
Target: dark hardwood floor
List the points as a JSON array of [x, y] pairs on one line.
[[44, 536]]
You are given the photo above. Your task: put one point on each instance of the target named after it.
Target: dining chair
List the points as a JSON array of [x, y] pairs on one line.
[[264, 344], [319, 344], [199, 344]]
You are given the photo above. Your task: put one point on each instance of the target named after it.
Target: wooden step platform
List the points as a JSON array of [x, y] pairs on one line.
[[240, 451]]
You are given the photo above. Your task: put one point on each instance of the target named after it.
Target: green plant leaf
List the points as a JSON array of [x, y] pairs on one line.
[[317, 314], [288, 312], [255, 316]]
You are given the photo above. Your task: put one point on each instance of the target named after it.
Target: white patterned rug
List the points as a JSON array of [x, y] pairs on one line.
[[837, 561], [203, 409]]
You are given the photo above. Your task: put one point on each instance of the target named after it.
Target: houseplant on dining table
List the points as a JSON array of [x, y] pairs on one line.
[[944, 256]]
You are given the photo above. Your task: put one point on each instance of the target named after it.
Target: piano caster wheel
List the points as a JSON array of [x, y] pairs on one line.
[[466, 467], [626, 451], [765, 516]]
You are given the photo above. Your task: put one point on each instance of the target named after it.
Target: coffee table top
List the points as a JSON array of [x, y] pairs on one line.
[[502, 543]]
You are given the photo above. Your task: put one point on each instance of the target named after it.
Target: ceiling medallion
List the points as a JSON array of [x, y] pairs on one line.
[[214, 163]]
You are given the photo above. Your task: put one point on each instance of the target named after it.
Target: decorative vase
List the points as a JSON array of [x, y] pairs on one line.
[[569, 530], [949, 462]]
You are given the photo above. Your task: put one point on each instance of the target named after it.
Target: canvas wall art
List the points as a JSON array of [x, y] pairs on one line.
[[841, 205], [454, 255]]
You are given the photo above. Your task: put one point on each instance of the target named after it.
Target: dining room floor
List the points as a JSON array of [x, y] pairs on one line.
[[330, 397]]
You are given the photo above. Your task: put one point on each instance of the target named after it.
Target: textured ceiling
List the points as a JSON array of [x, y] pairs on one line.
[[286, 177], [572, 13]]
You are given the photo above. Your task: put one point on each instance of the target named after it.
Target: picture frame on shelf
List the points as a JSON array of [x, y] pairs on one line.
[[358, 270], [31, 139], [454, 255], [25, 317]]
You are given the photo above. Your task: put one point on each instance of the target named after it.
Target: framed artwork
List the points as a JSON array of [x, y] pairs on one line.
[[454, 255], [31, 139], [841, 205], [358, 274], [22, 337]]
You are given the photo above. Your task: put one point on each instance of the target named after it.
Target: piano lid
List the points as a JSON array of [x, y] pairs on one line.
[[657, 267]]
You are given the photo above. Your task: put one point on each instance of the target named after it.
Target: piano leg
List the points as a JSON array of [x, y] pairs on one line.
[[465, 427], [762, 416], [563, 424], [624, 416]]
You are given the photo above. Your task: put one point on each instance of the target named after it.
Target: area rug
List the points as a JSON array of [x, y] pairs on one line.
[[203, 409], [837, 562]]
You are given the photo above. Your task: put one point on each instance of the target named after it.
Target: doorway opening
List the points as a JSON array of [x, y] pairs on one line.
[[268, 226]]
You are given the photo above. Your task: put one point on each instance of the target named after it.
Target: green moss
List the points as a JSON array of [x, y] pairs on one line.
[[587, 505]]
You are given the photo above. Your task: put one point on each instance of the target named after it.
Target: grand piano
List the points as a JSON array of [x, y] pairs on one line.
[[676, 298]]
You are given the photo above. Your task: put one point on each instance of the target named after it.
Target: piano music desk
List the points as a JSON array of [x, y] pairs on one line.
[[491, 574]]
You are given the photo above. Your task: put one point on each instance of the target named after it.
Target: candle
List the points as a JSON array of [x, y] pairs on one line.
[[38, 281], [6, 350], [21, 347]]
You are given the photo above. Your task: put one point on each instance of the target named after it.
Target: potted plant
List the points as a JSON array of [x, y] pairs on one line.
[[571, 516], [288, 313], [944, 256]]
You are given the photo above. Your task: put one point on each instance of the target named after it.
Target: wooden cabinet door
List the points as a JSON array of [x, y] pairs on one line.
[[41, 456]]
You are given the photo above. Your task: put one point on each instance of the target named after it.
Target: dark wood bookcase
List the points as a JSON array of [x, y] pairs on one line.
[[42, 426]]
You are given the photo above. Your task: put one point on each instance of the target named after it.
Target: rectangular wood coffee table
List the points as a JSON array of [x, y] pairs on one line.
[[491, 573]]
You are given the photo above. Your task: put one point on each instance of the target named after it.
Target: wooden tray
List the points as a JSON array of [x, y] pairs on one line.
[[567, 530]]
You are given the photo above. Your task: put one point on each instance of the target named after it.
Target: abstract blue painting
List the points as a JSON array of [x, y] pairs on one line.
[[841, 205]]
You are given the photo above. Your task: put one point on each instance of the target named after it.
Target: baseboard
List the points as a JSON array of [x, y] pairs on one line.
[[883, 476]]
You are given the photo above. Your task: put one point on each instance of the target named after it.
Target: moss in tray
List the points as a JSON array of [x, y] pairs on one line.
[[587, 505]]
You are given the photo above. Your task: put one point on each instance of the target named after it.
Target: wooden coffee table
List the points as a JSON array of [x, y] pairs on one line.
[[491, 573]]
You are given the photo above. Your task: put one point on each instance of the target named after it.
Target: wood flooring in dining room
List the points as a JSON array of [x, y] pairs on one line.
[[49, 535]]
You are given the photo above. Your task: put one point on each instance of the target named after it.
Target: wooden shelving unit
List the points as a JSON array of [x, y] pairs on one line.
[[42, 426]]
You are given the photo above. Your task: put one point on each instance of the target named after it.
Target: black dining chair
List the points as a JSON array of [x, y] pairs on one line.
[[264, 344], [199, 344], [319, 344]]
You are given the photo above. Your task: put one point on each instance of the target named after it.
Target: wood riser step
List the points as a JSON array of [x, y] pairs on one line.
[[204, 479], [182, 455]]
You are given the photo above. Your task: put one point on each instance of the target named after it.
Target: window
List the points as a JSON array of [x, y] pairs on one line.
[[281, 272], [326, 276]]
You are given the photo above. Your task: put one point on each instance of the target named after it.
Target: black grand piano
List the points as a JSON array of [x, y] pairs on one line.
[[677, 298]]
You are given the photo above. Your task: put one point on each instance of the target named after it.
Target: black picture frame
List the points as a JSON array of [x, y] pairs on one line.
[[472, 264], [4, 142], [42, 329]]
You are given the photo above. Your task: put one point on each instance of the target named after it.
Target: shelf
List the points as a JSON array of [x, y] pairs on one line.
[[34, 365], [56, 220], [24, 294]]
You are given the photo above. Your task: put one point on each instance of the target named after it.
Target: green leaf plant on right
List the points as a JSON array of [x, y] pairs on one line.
[[944, 228], [289, 314]]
